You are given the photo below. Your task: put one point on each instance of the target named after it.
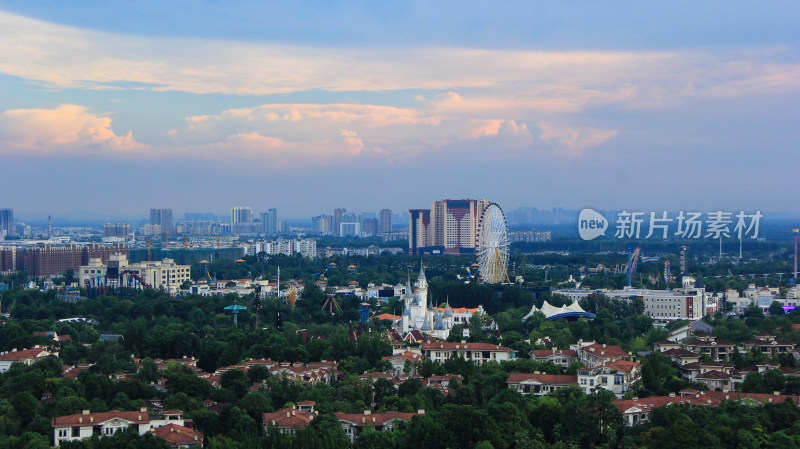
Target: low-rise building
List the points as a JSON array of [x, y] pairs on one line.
[[560, 357], [179, 437], [538, 384], [683, 303], [289, 420], [355, 423], [619, 377], [118, 271], [479, 353], [24, 356], [404, 361], [705, 344], [85, 424], [595, 354], [638, 410], [769, 344]]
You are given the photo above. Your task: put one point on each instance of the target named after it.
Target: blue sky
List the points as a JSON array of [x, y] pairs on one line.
[[116, 107]]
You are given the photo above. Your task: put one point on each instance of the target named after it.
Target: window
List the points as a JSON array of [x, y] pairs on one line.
[[63, 432]]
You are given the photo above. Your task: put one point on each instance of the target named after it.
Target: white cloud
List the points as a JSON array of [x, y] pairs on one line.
[[572, 141], [66, 129], [504, 81]]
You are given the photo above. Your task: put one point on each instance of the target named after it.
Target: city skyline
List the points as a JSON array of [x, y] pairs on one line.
[[608, 106]]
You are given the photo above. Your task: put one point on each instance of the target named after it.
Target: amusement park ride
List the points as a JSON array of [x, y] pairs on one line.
[[491, 245]]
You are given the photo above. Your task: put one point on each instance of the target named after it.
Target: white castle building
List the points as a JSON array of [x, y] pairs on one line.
[[420, 314]]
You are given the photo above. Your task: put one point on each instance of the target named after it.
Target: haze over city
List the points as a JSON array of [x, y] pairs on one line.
[[115, 108]]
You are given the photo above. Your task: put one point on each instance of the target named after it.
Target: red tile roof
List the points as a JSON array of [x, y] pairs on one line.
[[80, 419], [607, 351], [710, 398], [408, 355], [624, 366], [374, 419], [25, 354], [288, 418], [550, 379], [541, 353], [178, 436]]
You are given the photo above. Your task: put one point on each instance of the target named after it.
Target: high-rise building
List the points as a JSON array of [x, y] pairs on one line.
[[419, 230], [386, 220], [162, 217], [6, 222], [322, 223], [116, 229], [451, 228], [44, 260], [269, 222], [337, 219], [369, 226], [241, 219]]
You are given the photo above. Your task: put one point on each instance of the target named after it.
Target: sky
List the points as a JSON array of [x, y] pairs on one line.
[[110, 108]]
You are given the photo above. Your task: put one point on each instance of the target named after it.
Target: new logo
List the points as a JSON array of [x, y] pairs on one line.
[[591, 224]]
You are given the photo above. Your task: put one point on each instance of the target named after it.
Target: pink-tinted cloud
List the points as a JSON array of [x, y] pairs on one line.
[[66, 129], [396, 135]]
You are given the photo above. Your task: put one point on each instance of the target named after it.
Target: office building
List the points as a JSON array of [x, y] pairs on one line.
[[6, 222], [386, 220], [162, 217]]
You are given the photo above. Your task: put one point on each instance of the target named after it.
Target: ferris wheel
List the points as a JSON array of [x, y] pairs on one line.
[[491, 245]]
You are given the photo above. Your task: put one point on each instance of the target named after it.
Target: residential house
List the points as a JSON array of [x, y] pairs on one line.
[[595, 354], [538, 384], [638, 411], [355, 423], [400, 361], [618, 376], [769, 344], [25, 356], [706, 344], [665, 345], [714, 374], [289, 420], [479, 353], [681, 356], [179, 437], [85, 424], [561, 357]]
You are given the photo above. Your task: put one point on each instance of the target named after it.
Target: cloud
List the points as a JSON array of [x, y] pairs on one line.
[[572, 141], [345, 131], [499, 82], [68, 128]]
